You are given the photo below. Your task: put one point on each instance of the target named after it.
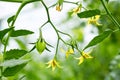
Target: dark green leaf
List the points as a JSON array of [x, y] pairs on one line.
[[17, 33], [16, 66], [99, 38], [10, 19], [14, 54], [4, 32], [89, 13]]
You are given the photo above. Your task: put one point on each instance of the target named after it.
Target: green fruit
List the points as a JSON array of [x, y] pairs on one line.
[[40, 46]]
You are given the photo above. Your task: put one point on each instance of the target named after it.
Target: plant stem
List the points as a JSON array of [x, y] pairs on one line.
[[76, 3], [56, 30], [20, 1], [110, 15], [57, 48]]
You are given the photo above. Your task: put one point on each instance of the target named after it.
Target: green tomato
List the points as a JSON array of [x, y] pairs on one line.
[[40, 46]]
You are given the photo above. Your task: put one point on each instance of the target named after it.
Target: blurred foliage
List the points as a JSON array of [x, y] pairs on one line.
[[104, 66]]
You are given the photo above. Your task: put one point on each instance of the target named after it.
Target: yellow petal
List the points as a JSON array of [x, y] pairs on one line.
[[98, 24], [71, 51], [48, 66], [81, 60], [87, 56], [97, 17], [76, 10], [67, 54], [53, 68], [58, 8]]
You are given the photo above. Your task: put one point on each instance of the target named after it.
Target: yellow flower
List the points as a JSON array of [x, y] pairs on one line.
[[58, 7], [94, 20], [53, 63], [77, 9], [84, 56], [68, 52]]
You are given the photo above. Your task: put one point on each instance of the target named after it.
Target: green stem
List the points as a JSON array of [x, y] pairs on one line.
[[48, 16], [57, 48], [110, 15], [76, 3], [56, 30], [65, 34], [20, 8], [20, 1], [46, 8]]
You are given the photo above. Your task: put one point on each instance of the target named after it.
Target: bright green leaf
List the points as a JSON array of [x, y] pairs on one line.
[[4, 32], [14, 54], [17, 33], [89, 13], [13, 66], [99, 38]]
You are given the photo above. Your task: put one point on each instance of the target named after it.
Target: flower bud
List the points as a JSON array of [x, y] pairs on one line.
[[40, 45]]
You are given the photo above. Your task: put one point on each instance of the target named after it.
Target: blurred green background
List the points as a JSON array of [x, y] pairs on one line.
[[104, 66]]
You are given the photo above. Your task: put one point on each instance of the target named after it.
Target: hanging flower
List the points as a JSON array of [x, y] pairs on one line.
[[84, 56], [94, 20], [77, 9], [53, 63], [68, 52], [59, 5]]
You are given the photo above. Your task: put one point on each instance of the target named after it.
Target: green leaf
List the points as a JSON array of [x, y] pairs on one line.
[[4, 32], [10, 19], [99, 38], [17, 33], [89, 13], [14, 54], [13, 66]]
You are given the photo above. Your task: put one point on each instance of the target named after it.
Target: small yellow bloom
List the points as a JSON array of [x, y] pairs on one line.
[[53, 63], [70, 51], [58, 7], [94, 20], [76, 10], [84, 56]]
